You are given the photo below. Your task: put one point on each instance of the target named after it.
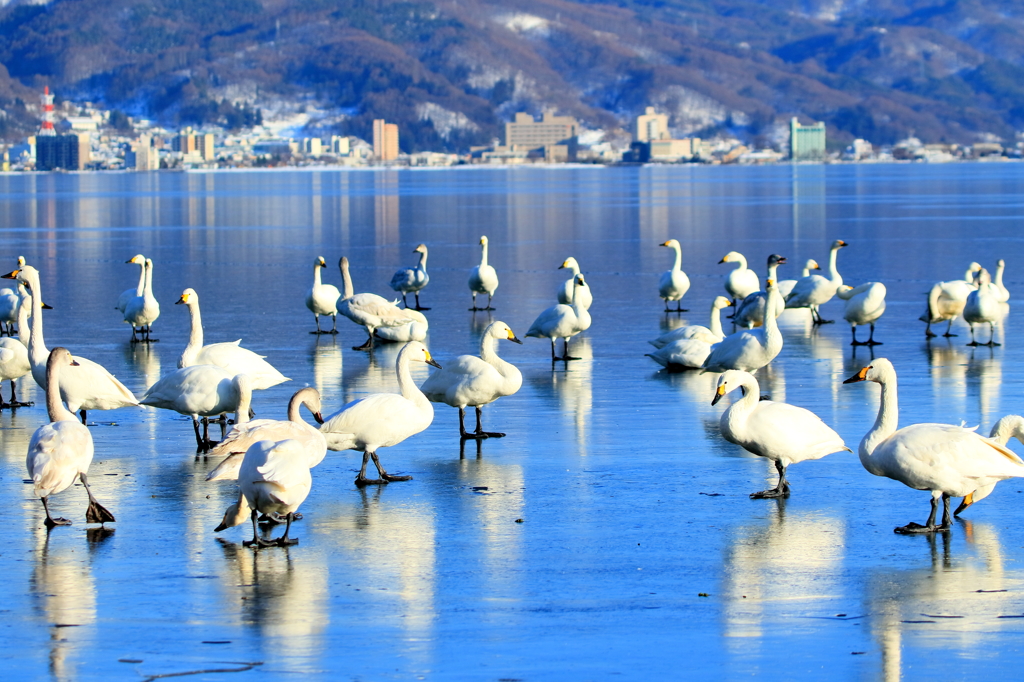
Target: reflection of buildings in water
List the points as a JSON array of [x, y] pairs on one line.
[[386, 218], [327, 366], [984, 382], [947, 364]]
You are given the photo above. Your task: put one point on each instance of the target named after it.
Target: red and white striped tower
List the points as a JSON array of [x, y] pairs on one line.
[[47, 127]]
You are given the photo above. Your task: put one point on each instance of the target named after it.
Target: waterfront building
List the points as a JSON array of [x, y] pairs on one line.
[[385, 140], [806, 143], [340, 145], [553, 136], [650, 126]]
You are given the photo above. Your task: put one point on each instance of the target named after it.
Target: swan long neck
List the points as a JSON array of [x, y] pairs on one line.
[[751, 395], [316, 275], [55, 408], [346, 280], [489, 354], [886, 421], [141, 288], [24, 311], [148, 290], [999, 274], [423, 261], [678, 265], [195, 336], [1010, 425], [741, 262], [771, 325], [837, 279], [483, 254], [715, 325], [36, 343], [406, 385], [244, 400], [773, 270]]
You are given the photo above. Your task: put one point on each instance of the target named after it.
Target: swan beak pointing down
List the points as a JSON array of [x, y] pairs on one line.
[[318, 418], [47, 307], [859, 376], [431, 361], [513, 338], [718, 395], [11, 275], [181, 300]]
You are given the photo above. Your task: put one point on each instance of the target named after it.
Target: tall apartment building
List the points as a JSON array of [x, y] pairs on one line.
[[806, 143], [650, 126], [64, 152], [556, 136], [385, 140]]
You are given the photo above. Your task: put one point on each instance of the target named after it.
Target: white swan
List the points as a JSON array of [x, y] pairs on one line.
[[562, 322], [749, 349], [85, 385], [742, 281], [1012, 425], [567, 291], [412, 280], [10, 304], [674, 283], [368, 310], [228, 355], [750, 312], [786, 285], [1004, 293], [143, 310], [413, 330], [61, 451], [814, 291], [682, 354], [946, 301], [202, 391], [476, 381], [982, 306], [783, 433], [864, 305], [483, 279], [243, 436], [274, 479], [129, 294], [711, 334], [949, 461], [381, 420], [14, 360], [322, 299]]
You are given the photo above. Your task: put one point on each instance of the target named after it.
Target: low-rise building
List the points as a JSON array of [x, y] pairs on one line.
[[555, 138]]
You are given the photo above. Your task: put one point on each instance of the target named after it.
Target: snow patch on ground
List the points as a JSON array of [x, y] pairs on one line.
[[445, 122]]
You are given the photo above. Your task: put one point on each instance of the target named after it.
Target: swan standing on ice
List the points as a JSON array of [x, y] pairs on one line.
[[567, 292], [381, 420], [84, 386], [682, 354], [750, 312], [483, 279], [129, 294], [322, 299], [982, 306], [1002, 430], [786, 285], [864, 305], [814, 291], [742, 281], [61, 451], [562, 322], [783, 433], [1004, 293], [412, 280], [368, 310], [142, 310], [750, 349], [711, 334], [476, 381], [202, 391], [949, 461], [946, 301], [674, 283], [14, 360]]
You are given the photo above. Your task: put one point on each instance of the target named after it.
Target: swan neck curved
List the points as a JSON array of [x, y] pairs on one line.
[[406, 385], [195, 336], [885, 423], [423, 261], [244, 402], [715, 325], [346, 279], [741, 262], [751, 395], [54, 406], [999, 275]]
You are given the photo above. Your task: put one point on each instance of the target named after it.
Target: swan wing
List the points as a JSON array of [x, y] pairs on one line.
[[792, 432], [57, 453]]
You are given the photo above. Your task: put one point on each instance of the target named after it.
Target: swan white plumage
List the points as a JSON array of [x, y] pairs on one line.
[[567, 291], [243, 436], [864, 305], [381, 420], [750, 312], [1012, 425], [10, 304], [228, 355], [562, 322], [413, 330], [785, 434], [946, 301], [749, 349], [322, 299], [62, 450], [682, 354], [129, 294], [711, 334], [949, 461], [483, 278], [412, 280], [368, 310], [202, 391], [814, 291], [982, 306], [786, 285], [1004, 293], [470, 381], [674, 283], [83, 386], [143, 310], [742, 281], [14, 360], [274, 479]]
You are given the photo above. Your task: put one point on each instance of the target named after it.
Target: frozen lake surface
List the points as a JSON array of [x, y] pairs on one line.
[[610, 535]]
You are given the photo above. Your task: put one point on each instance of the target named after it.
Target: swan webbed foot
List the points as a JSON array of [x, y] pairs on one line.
[[362, 481], [286, 542], [948, 334], [930, 335], [481, 435], [51, 522], [869, 342], [97, 513], [419, 307], [973, 343], [914, 528], [390, 478], [259, 542], [366, 346], [770, 494], [567, 358]]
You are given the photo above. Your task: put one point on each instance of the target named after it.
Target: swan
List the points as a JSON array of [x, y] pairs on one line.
[[61, 451], [322, 299], [864, 305], [483, 279], [228, 355], [949, 461], [129, 294], [1002, 430], [202, 391], [814, 290], [14, 360], [381, 420], [742, 281], [413, 330], [562, 321], [674, 283], [243, 436], [982, 306], [87, 385], [1004, 294], [749, 349], [567, 291], [10, 304], [785, 434], [274, 479], [368, 310], [946, 300], [786, 285], [682, 354], [412, 280], [142, 310], [711, 334], [750, 312], [476, 381]]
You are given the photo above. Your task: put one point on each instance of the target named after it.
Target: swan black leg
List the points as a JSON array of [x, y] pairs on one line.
[[462, 424], [948, 328], [50, 521], [418, 306], [256, 539], [992, 335], [366, 346], [95, 512], [871, 337], [489, 307], [199, 438], [679, 308], [317, 318], [781, 490], [853, 328], [480, 433], [929, 527], [284, 540], [973, 342], [565, 353], [83, 415]]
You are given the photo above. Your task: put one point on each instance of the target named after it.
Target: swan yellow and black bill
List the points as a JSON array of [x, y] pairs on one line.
[[512, 337], [182, 299], [430, 360], [11, 275], [859, 376], [718, 395]]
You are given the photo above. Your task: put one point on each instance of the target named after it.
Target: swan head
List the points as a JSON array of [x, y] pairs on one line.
[[579, 281], [188, 297], [880, 371], [671, 243], [731, 257], [21, 261], [25, 274], [422, 248], [483, 241], [730, 380], [149, 263], [838, 244], [1012, 425], [500, 330], [60, 356], [234, 515], [137, 259], [1000, 263], [983, 277], [843, 292], [569, 263], [812, 264], [320, 262], [721, 302], [419, 353], [776, 259]]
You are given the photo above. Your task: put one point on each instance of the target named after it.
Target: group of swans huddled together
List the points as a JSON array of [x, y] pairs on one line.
[[977, 297]]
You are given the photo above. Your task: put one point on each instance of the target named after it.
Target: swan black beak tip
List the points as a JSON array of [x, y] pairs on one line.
[[718, 396], [10, 275], [318, 418], [433, 363], [516, 339]]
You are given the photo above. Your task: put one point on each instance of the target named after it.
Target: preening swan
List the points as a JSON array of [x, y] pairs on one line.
[[814, 290], [381, 420], [783, 433], [142, 310], [711, 334], [202, 391], [412, 280], [483, 279], [750, 312], [786, 285], [471, 381], [413, 330], [83, 386], [61, 451], [368, 310], [567, 292], [129, 294], [1012, 425], [742, 281], [674, 283], [14, 360], [749, 349], [229, 356], [562, 321], [982, 306], [322, 299], [864, 305], [949, 461], [946, 301]]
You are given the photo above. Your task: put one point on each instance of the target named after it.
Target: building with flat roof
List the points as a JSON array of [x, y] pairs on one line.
[[385, 140], [806, 143], [650, 126], [62, 152], [556, 136]]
